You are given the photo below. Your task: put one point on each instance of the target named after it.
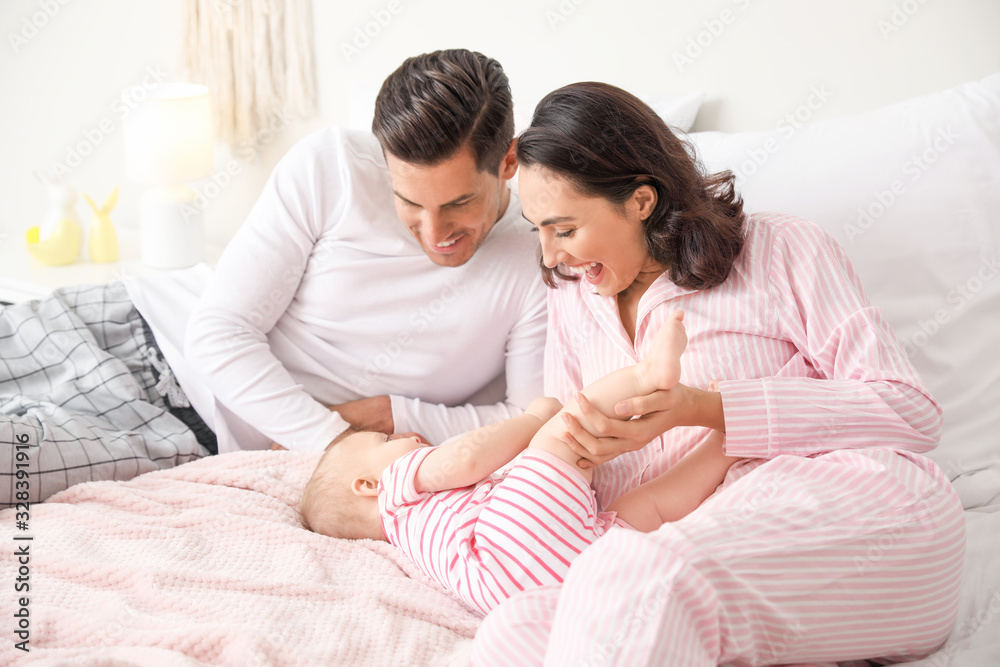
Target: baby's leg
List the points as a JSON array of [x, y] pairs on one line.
[[680, 490], [549, 438], [661, 369], [604, 393]]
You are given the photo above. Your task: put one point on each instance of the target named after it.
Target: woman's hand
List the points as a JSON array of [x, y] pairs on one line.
[[598, 439]]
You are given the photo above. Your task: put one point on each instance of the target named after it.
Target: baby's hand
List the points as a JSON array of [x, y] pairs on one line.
[[545, 408]]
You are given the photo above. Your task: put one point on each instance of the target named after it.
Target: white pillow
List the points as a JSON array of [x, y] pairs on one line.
[[677, 111], [912, 192]]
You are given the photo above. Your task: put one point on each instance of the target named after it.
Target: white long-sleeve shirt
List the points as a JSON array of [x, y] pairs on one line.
[[323, 296]]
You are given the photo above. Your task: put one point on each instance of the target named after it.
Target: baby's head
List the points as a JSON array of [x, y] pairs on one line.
[[341, 497]]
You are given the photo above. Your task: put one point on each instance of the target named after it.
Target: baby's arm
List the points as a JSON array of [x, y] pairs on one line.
[[475, 455]]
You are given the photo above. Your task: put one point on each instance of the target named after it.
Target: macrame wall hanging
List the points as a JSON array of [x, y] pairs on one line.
[[256, 57]]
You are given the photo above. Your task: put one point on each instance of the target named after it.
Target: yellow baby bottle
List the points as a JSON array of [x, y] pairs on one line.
[[57, 240]]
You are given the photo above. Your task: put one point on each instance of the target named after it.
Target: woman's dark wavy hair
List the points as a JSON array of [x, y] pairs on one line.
[[607, 143], [436, 103]]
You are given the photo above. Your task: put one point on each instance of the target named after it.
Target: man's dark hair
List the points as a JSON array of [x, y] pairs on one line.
[[436, 103]]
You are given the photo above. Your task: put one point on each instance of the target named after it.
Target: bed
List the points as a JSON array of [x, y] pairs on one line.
[[208, 563]]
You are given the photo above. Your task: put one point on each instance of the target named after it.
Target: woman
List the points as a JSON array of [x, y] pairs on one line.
[[832, 538]]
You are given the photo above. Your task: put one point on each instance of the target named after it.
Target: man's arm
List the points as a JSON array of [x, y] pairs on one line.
[[523, 364], [523, 379], [256, 279], [473, 456]]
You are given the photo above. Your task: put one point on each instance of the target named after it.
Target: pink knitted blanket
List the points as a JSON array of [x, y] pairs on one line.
[[208, 564]]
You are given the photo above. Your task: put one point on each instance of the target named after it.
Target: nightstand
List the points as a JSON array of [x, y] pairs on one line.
[[22, 277]]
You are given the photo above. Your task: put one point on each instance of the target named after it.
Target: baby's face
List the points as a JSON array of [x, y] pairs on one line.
[[374, 452]]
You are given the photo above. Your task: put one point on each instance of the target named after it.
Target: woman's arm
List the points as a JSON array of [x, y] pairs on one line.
[[867, 392], [850, 385]]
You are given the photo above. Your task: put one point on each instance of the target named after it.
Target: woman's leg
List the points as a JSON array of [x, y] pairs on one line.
[[845, 556]]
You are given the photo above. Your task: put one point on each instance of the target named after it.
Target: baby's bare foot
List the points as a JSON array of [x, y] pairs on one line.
[[662, 366]]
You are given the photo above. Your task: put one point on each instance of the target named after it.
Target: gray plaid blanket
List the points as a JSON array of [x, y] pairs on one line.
[[83, 395]]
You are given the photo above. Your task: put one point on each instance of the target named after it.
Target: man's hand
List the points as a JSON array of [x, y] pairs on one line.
[[371, 414], [598, 439], [357, 412]]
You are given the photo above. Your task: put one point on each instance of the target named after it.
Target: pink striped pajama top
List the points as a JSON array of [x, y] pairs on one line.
[[509, 533], [833, 540], [807, 364]]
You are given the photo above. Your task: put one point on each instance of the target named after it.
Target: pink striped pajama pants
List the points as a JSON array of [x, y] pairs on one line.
[[848, 555]]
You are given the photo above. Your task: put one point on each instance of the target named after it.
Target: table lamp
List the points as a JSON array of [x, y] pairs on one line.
[[168, 143]]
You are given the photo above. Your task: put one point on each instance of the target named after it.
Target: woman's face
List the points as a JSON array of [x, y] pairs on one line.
[[587, 235]]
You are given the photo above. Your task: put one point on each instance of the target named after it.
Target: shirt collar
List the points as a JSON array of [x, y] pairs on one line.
[[605, 308]]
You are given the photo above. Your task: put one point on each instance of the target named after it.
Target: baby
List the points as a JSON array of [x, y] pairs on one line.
[[485, 536]]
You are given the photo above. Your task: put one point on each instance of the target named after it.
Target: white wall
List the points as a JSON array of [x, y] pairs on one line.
[[757, 61]]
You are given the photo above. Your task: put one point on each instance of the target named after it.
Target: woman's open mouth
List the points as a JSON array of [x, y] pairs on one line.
[[592, 271]]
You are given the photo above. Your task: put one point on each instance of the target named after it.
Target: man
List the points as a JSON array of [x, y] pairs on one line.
[[330, 306]]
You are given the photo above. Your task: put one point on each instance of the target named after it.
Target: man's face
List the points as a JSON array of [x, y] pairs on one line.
[[451, 207]]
